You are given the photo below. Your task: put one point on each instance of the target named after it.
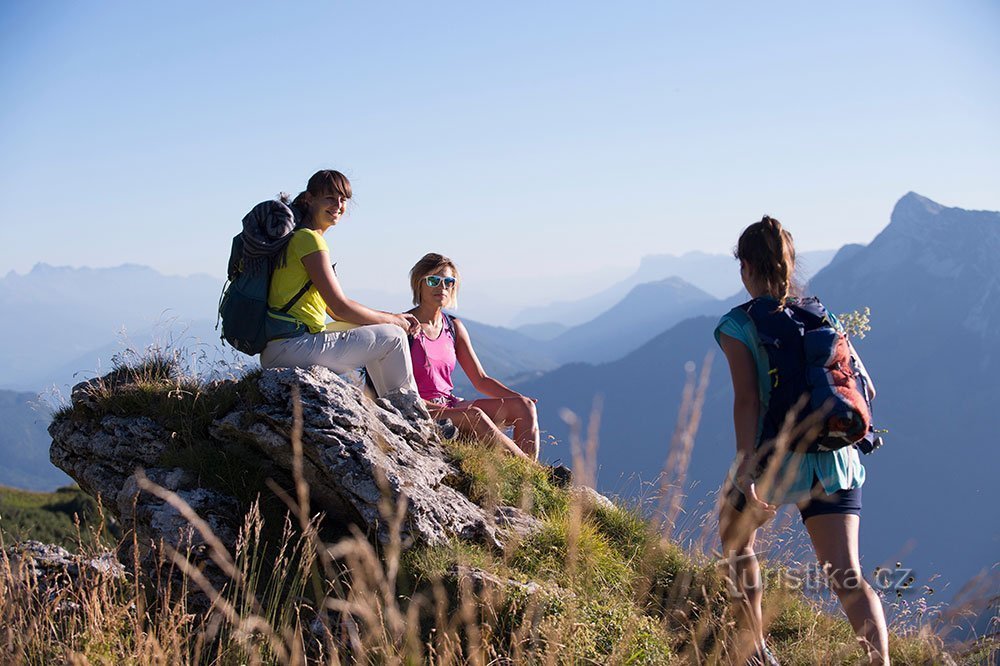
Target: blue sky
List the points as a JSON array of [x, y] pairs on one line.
[[553, 142]]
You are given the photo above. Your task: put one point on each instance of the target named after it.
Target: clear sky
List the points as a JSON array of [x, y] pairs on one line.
[[533, 140]]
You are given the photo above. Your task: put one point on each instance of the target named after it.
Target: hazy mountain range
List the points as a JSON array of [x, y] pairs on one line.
[[85, 316], [24, 444], [64, 314], [717, 275], [931, 278]]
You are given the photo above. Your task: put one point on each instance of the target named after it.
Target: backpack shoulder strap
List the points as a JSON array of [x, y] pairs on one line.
[[449, 323], [771, 322], [296, 297], [811, 312], [759, 310]]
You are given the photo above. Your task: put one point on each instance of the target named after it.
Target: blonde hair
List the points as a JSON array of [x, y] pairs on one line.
[[428, 265]]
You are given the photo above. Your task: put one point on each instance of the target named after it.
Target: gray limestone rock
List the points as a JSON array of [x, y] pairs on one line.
[[362, 458], [46, 570], [358, 452]]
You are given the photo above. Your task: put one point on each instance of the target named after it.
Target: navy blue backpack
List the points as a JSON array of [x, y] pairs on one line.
[[243, 308], [815, 374], [247, 321]]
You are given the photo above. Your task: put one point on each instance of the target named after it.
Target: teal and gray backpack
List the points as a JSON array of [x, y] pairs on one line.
[[255, 253]]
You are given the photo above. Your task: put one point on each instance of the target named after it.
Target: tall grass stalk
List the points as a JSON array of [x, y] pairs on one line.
[[592, 585]]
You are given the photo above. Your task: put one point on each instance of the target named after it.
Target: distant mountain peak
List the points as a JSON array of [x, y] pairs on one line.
[[915, 204], [674, 283], [945, 247], [919, 217], [42, 268]]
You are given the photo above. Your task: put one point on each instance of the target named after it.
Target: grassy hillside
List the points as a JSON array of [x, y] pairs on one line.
[[591, 584], [48, 517]]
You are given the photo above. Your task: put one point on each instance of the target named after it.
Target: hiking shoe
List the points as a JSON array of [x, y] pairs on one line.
[[447, 429], [559, 475], [763, 657]]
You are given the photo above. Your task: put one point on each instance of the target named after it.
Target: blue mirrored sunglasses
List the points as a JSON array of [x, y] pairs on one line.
[[435, 280]]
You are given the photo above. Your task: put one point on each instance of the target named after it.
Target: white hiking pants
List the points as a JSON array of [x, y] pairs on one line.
[[382, 349]]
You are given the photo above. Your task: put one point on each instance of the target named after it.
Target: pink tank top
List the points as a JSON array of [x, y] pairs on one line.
[[433, 363]]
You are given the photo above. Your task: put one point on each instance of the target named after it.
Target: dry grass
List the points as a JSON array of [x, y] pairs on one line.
[[592, 586]]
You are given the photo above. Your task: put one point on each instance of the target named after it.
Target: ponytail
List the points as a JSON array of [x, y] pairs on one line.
[[768, 250]]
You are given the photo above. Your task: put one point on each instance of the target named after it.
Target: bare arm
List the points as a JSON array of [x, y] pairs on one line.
[[474, 369], [746, 398], [746, 409], [338, 305]]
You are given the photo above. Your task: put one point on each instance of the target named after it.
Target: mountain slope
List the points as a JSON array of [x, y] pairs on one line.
[[647, 310], [505, 354], [24, 444], [931, 279]]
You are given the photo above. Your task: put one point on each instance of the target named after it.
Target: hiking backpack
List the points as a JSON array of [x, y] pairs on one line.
[[243, 309], [813, 368]]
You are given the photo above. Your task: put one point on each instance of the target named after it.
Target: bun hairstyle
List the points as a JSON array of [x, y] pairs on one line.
[[322, 183], [769, 252], [429, 264]]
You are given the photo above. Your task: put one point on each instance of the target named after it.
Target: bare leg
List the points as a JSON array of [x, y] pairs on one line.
[[835, 538], [517, 412], [474, 423], [738, 532]]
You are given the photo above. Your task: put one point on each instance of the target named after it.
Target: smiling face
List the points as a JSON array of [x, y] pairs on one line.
[[327, 209], [443, 294]]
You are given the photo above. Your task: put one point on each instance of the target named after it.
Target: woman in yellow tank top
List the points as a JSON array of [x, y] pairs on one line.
[[359, 336]]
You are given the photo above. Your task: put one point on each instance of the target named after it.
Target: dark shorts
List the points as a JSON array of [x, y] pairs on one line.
[[842, 502]]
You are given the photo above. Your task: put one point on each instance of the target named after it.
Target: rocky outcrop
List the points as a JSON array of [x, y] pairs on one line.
[[363, 460], [48, 572], [357, 453], [111, 456]]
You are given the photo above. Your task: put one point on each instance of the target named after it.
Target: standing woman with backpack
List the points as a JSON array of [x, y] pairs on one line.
[[304, 290], [824, 485]]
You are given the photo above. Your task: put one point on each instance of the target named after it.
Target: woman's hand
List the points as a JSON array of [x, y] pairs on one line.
[[407, 322], [759, 509]]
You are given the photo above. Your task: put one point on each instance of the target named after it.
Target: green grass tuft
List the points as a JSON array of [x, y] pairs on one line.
[[490, 478], [594, 567]]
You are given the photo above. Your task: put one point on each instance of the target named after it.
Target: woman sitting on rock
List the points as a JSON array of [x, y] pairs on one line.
[[442, 340], [359, 336]]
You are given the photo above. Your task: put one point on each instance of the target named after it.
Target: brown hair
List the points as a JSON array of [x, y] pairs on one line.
[[428, 265], [322, 183], [768, 250]]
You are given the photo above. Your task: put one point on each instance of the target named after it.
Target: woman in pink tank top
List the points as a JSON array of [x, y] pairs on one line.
[[440, 344]]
